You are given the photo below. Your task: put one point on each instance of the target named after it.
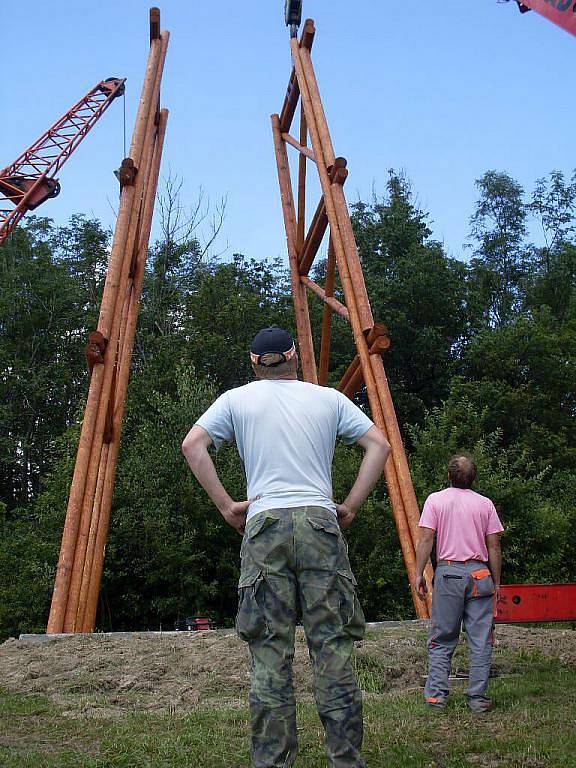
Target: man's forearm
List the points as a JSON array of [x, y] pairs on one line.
[[368, 475], [495, 564], [203, 467], [423, 550]]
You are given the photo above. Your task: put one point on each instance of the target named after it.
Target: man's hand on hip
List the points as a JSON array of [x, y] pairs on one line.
[[345, 515], [235, 515]]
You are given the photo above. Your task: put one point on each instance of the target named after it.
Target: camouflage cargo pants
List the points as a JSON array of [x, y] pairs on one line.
[[295, 564]]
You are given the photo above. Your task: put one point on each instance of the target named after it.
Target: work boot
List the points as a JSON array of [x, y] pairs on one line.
[[478, 705]]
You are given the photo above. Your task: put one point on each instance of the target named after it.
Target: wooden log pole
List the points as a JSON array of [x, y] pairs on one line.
[[93, 515], [334, 225], [89, 618], [316, 104], [77, 488], [124, 349], [293, 91], [301, 222], [110, 360], [300, 299], [327, 316], [296, 144], [333, 303], [339, 199], [316, 232], [325, 152]]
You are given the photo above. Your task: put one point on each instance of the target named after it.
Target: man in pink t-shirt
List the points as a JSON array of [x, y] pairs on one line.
[[466, 582]]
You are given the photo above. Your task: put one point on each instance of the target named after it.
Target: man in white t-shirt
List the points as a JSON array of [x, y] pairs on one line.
[[294, 559]]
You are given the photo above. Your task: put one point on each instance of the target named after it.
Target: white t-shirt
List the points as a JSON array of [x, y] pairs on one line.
[[285, 431]]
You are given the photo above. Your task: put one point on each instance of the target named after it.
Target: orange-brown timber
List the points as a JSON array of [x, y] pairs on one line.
[[327, 316], [102, 469], [333, 303], [89, 618], [72, 521], [358, 282], [378, 341], [91, 545], [292, 91], [87, 559], [110, 360], [344, 223], [301, 188], [334, 228], [298, 291], [354, 382], [296, 144], [313, 239], [353, 286], [314, 93], [77, 490]]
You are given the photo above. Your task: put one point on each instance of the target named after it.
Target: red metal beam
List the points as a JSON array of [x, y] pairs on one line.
[[536, 602]]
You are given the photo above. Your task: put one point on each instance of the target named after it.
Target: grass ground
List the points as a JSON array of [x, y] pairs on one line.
[[533, 724]]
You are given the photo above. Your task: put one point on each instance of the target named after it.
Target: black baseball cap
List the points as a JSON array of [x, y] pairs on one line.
[[271, 347]]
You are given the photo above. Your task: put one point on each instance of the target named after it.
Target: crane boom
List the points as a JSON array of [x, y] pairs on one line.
[[560, 12], [30, 179]]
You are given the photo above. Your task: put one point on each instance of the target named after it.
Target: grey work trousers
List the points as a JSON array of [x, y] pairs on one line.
[[463, 592]]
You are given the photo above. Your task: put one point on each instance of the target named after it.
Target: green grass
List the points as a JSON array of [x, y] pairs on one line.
[[533, 724]]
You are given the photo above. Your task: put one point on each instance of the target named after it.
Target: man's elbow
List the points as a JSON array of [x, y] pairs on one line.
[[191, 449], [383, 445]]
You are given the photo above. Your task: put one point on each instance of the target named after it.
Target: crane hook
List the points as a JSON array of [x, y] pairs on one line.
[[293, 15]]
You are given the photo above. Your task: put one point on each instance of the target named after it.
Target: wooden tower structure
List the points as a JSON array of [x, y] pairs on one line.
[[109, 352], [370, 337]]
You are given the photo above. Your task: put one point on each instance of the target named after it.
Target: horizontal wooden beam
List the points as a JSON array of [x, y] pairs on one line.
[[333, 303], [295, 143]]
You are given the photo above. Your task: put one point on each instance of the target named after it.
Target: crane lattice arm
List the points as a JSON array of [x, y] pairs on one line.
[[30, 179]]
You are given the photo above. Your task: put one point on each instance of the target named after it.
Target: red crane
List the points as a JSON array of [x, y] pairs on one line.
[[30, 179], [561, 12]]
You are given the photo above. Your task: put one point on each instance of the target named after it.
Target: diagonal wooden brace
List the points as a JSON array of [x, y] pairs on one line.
[[319, 223], [293, 90]]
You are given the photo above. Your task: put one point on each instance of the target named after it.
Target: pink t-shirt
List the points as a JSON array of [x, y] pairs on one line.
[[462, 519]]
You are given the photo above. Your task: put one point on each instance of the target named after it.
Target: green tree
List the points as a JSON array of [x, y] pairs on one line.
[[46, 311], [552, 279], [524, 374], [500, 259], [417, 291], [537, 506]]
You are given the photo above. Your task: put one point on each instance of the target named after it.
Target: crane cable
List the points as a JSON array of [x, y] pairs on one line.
[[124, 123]]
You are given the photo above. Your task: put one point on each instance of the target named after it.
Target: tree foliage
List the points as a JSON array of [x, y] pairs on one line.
[[482, 359]]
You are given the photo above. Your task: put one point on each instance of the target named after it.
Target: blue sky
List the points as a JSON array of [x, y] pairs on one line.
[[440, 90]]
